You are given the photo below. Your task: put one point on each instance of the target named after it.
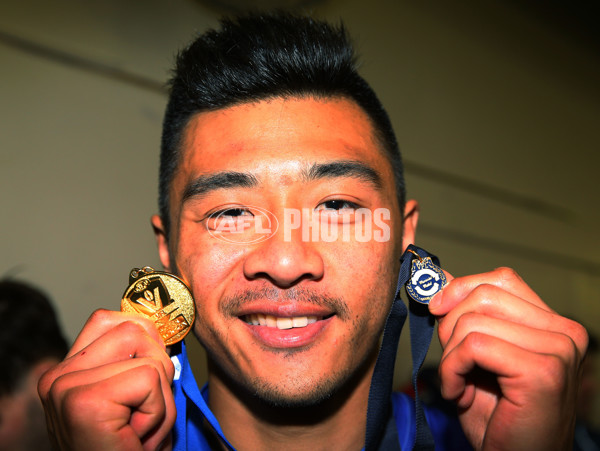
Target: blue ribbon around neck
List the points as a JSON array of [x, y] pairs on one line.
[[421, 325]]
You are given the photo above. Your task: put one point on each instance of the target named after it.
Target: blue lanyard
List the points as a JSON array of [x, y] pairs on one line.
[[421, 330]]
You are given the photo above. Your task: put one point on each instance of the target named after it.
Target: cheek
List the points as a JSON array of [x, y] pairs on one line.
[[367, 278], [209, 266], [367, 264]]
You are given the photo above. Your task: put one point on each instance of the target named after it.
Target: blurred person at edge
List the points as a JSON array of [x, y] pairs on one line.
[[31, 342]]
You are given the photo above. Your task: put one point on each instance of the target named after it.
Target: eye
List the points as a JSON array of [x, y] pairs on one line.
[[232, 212], [337, 211], [232, 219], [338, 205]]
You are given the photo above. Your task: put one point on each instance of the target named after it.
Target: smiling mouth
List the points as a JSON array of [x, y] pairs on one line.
[[259, 319]]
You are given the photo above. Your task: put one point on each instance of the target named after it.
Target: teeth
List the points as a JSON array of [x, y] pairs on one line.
[[258, 319], [300, 321], [284, 323]]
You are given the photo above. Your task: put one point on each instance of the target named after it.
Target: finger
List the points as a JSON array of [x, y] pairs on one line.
[[504, 278], [68, 381], [133, 394], [101, 321], [530, 339], [436, 300], [489, 300], [125, 341], [536, 393], [482, 351]]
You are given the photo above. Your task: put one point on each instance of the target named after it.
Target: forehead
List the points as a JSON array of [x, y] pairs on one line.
[[277, 134]]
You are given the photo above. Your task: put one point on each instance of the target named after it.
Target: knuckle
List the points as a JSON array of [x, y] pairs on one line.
[[580, 337], [130, 329], [464, 324], [148, 373], [158, 366], [442, 369], [58, 388], [567, 349], [576, 335], [171, 411], [100, 316], [164, 365], [444, 330], [170, 369], [467, 322], [130, 334], [45, 383], [134, 336], [50, 388], [485, 294], [474, 340], [552, 372], [135, 327], [507, 274]]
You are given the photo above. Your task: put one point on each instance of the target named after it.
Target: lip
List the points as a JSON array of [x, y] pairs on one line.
[[284, 310], [273, 337]]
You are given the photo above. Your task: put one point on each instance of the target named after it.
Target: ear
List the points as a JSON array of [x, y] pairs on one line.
[[162, 241], [409, 225]]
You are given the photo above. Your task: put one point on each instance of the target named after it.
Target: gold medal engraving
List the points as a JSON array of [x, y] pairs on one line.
[[163, 298]]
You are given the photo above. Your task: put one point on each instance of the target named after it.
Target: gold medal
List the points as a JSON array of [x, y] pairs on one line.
[[163, 298]]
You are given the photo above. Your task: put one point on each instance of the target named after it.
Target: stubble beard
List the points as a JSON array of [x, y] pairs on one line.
[[305, 389], [302, 388]]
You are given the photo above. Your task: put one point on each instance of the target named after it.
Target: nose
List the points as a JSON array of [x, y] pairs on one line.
[[285, 260]]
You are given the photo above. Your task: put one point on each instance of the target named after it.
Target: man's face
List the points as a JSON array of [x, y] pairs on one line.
[[320, 304]]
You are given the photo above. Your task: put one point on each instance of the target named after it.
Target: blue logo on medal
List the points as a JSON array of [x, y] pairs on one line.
[[426, 279]]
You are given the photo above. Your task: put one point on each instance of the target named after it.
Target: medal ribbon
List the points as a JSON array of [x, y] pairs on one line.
[[421, 330]]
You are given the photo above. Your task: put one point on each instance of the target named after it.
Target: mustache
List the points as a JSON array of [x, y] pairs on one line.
[[231, 304]]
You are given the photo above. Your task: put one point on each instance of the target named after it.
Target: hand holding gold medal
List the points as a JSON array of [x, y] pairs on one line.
[[163, 298]]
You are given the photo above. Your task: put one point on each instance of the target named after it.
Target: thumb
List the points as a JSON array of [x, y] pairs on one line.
[[436, 305]]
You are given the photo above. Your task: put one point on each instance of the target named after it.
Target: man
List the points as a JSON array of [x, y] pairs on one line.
[[268, 120], [31, 342]]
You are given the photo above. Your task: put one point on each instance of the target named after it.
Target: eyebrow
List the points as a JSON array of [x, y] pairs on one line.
[[229, 179], [344, 168], [204, 184]]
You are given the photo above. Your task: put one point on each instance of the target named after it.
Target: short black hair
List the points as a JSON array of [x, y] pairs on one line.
[[259, 56], [30, 332]]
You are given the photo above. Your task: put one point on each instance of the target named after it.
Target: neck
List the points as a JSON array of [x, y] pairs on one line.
[[249, 423]]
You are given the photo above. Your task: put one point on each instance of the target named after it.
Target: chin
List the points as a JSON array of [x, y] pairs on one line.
[[295, 394]]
